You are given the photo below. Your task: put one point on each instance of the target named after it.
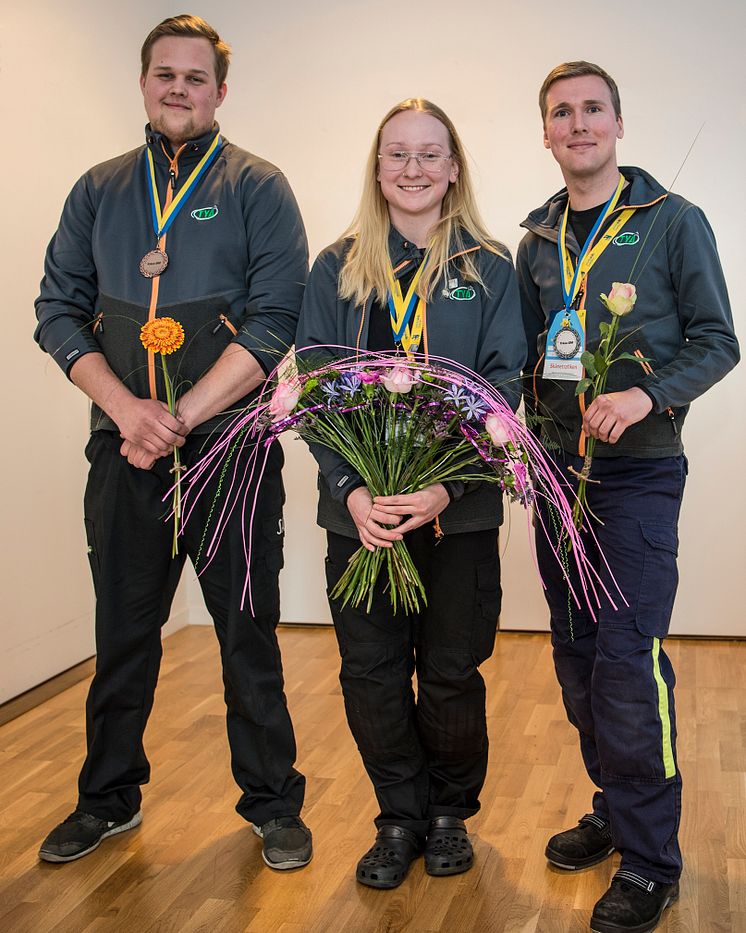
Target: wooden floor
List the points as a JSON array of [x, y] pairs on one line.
[[194, 865]]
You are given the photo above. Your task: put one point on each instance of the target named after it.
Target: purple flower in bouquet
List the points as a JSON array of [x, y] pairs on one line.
[[349, 383], [331, 391], [456, 395], [473, 408]]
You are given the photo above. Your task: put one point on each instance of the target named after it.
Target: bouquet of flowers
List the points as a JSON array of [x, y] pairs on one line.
[[402, 425]]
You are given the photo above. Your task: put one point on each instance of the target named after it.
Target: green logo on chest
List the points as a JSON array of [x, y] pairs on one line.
[[464, 293], [205, 213], [626, 239]]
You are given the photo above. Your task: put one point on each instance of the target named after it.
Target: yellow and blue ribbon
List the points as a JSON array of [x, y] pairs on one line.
[[162, 220]]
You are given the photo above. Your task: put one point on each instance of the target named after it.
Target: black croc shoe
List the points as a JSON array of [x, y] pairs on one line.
[[448, 850], [386, 863], [584, 845], [80, 834], [632, 904]]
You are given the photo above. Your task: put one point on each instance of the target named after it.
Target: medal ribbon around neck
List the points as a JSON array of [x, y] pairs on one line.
[[162, 220], [572, 279], [407, 312]]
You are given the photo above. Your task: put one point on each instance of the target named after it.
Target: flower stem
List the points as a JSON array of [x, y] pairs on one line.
[[176, 501]]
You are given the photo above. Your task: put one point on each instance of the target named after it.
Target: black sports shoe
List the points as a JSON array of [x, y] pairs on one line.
[[80, 834], [584, 845], [287, 842], [632, 904], [448, 850], [386, 863]]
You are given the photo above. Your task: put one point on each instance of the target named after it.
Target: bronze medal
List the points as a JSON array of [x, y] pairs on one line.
[[153, 263]]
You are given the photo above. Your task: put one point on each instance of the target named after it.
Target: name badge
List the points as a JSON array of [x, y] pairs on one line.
[[565, 345]]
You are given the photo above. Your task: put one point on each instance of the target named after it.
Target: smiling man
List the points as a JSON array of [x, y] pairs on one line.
[[193, 228], [618, 225]]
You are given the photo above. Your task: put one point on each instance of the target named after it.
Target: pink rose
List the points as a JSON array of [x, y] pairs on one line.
[[497, 430], [399, 379], [621, 299], [369, 377], [284, 398]]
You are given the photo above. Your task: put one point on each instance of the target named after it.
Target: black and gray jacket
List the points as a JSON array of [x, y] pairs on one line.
[[483, 332], [682, 319], [238, 261]]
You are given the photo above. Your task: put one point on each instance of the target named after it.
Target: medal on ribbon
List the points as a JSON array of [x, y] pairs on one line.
[[154, 262], [565, 342]]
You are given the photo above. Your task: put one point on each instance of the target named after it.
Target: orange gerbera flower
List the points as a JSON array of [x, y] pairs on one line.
[[162, 335]]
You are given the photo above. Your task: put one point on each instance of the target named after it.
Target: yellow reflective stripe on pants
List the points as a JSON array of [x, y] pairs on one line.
[[667, 750]]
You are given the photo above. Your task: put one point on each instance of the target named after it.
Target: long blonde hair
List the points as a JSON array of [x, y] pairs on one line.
[[365, 269]]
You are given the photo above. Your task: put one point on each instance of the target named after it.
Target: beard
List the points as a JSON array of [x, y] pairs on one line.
[[178, 128]]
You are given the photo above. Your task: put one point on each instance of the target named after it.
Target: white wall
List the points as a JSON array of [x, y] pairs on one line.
[[309, 82]]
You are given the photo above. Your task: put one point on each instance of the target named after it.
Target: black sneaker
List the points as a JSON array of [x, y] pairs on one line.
[[632, 904], [80, 834], [586, 844], [287, 842]]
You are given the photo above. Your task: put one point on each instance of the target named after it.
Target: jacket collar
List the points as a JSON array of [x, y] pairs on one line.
[[403, 252], [545, 220], [195, 148]]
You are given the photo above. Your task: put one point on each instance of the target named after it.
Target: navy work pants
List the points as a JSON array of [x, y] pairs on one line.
[[617, 682], [426, 754], [135, 578]]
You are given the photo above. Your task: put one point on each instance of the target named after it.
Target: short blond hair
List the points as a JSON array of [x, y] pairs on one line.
[[578, 70], [190, 27]]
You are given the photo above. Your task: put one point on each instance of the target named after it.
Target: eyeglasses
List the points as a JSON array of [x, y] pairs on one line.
[[431, 162]]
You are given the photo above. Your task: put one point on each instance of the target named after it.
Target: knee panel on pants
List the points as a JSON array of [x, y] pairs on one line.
[[379, 701], [450, 702]]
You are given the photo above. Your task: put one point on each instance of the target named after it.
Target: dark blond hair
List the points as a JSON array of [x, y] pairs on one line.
[[190, 27], [366, 267], [578, 70]]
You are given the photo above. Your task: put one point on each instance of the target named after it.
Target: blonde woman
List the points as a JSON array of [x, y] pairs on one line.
[[426, 755]]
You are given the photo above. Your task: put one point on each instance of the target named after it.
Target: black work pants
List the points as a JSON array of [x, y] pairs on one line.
[[135, 577], [426, 755]]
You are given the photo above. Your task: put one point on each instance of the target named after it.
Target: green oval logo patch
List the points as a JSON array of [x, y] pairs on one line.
[[205, 213], [626, 239], [464, 293]]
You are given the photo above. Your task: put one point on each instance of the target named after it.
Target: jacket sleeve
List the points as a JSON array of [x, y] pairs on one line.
[[65, 308], [502, 341], [276, 272], [532, 313], [709, 349], [316, 337]]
